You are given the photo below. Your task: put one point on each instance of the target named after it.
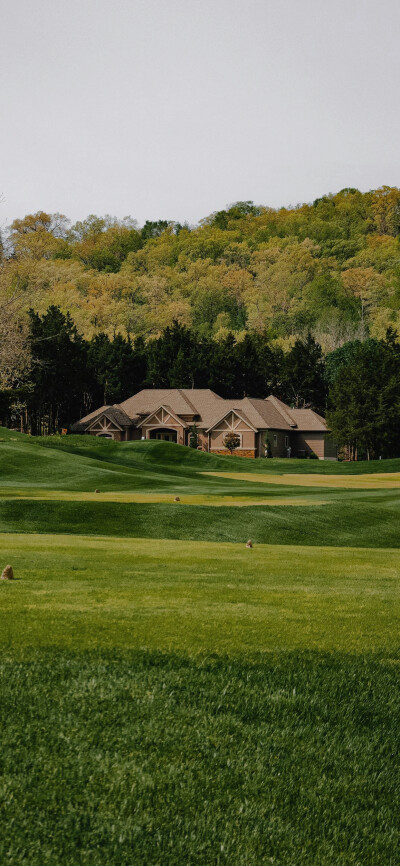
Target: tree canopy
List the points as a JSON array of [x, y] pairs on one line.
[[331, 267], [302, 302]]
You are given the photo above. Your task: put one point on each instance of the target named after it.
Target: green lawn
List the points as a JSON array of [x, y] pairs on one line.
[[170, 698], [90, 593], [163, 760]]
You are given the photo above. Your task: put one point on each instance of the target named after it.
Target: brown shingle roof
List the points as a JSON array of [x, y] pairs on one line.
[[117, 414], [234, 408], [167, 409], [183, 401], [93, 414], [270, 413], [308, 420], [113, 413], [282, 408]]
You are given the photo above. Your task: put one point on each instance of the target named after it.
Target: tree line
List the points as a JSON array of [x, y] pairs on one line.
[[331, 268], [357, 385]]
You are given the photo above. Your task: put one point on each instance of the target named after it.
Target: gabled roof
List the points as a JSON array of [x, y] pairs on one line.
[[93, 414], [270, 416], [182, 401], [237, 412], [100, 417], [166, 409], [112, 413]]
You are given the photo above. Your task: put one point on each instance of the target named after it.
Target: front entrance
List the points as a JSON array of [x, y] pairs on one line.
[[164, 434]]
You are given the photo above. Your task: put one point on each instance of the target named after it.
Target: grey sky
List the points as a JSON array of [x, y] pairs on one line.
[[173, 108]]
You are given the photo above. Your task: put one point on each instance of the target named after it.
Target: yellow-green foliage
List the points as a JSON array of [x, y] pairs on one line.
[[332, 266]]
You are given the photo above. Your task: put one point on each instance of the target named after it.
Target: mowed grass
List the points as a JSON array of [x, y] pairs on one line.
[[48, 486], [359, 521], [169, 697], [213, 500], [366, 481], [157, 759], [170, 702], [90, 593]]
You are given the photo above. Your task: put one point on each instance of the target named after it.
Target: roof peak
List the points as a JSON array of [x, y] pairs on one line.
[[283, 409]]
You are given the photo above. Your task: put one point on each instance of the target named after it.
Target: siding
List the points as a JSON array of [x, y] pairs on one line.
[[133, 434], [279, 449], [247, 436], [309, 442]]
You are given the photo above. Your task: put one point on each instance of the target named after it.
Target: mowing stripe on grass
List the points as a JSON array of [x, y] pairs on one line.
[[192, 597], [385, 481], [166, 498]]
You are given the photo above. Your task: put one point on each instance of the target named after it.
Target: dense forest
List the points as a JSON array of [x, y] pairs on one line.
[[252, 300], [331, 267]]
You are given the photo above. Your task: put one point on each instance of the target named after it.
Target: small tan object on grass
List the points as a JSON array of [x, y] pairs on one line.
[[97, 491], [177, 499], [249, 543], [8, 573]]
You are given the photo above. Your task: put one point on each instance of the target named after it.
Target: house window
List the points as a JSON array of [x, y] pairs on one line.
[[275, 439], [286, 441]]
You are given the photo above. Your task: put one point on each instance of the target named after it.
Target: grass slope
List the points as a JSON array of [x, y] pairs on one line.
[[169, 454], [79, 465], [169, 697], [357, 522]]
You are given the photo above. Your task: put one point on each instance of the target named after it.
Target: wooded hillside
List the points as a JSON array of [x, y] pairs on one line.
[[301, 302], [331, 267]]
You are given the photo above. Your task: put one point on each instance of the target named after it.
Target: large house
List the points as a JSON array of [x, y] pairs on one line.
[[169, 414]]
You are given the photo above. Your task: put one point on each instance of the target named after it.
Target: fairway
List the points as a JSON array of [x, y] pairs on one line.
[[196, 598], [122, 496], [386, 481], [172, 698]]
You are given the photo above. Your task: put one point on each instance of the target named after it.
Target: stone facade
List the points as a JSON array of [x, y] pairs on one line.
[[239, 452]]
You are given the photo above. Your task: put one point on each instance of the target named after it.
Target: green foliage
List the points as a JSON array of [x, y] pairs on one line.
[[194, 437], [231, 441], [268, 447], [60, 370], [304, 374], [364, 397], [332, 267]]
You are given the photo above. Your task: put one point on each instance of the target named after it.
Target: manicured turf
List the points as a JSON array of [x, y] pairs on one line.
[[212, 499], [67, 471], [159, 760], [167, 454], [367, 481], [170, 698], [356, 522], [182, 596]]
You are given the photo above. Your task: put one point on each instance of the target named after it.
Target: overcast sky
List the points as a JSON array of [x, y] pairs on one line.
[[171, 109]]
